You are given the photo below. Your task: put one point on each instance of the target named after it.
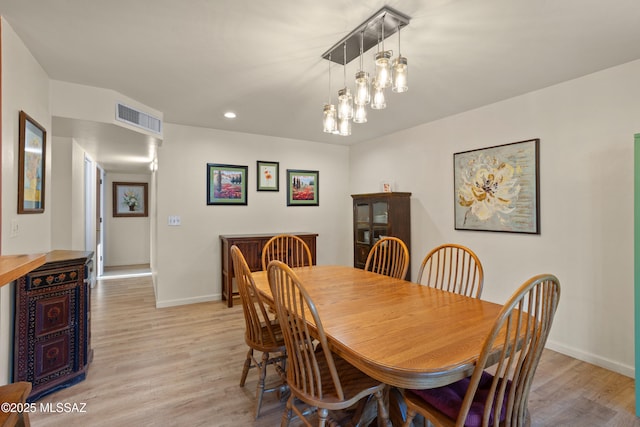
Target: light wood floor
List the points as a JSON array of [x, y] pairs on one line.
[[180, 366]]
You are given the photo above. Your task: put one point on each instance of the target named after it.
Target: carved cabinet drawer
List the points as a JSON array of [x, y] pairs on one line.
[[52, 358], [52, 314], [56, 277]]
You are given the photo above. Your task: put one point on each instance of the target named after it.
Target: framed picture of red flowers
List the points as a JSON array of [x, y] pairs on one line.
[[268, 177], [497, 188], [226, 184], [302, 188]]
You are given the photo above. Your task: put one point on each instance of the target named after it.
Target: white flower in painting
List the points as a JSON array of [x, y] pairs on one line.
[[489, 187]]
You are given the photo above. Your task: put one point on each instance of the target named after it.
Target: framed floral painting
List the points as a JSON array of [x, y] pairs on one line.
[[497, 188], [302, 188], [130, 199], [226, 184], [268, 176]]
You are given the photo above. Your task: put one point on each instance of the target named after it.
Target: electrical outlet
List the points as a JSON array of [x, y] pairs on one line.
[[174, 220]]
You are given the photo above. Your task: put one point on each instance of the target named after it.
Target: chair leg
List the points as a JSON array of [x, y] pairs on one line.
[[410, 416], [383, 413], [261, 380], [247, 365], [322, 417], [286, 415], [23, 420]]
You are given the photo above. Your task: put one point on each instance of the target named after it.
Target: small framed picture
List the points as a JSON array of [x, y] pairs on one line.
[[302, 188], [130, 199], [226, 184], [31, 165], [268, 176]]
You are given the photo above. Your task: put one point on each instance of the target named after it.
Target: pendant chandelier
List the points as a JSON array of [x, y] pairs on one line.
[[352, 106]]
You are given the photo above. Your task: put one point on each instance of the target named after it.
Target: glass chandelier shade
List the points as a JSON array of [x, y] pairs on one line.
[[383, 69], [400, 71], [344, 127], [330, 120], [360, 114], [345, 104], [400, 75], [363, 95], [329, 114], [345, 98], [378, 102]]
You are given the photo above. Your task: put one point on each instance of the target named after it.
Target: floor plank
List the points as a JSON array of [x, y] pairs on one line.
[[180, 366]]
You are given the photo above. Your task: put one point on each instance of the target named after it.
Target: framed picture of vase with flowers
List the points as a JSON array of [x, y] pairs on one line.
[[497, 188], [130, 199], [268, 176]]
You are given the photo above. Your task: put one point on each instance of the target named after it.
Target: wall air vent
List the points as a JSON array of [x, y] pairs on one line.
[[135, 117]]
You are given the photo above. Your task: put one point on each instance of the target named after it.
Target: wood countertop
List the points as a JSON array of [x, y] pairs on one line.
[[14, 266]]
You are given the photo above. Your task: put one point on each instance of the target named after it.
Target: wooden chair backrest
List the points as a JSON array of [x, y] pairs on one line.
[[256, 318], [453, 268], [525, 320], [294, 307], [389, 256], [290, 249]]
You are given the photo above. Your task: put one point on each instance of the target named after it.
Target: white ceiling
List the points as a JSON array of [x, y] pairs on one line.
[[195, 59]]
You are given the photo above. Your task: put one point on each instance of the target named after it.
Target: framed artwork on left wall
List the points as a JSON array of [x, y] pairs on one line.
[[32, 144]]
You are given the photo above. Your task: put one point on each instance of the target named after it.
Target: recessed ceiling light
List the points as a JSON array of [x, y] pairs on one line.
[[230, 115]]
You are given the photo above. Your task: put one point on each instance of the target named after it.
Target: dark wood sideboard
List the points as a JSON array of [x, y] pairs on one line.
[[251, 246], [52, 340]]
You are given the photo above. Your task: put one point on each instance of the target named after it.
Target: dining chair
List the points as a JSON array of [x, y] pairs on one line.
[[315, 375], [14, 395], [512, 348], [290, 249], [388, 256], [453, 268], [262, 333]]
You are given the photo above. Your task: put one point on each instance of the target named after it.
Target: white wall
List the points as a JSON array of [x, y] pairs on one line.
[[94, 104], [61, 197], [586, 127], [127, 239], [25, 86], [188, 262], [78, 195]]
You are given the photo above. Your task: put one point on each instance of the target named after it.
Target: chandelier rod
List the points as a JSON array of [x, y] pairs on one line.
[[391, 19]]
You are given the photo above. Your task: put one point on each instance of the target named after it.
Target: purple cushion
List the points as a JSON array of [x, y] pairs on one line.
[[448, 399]]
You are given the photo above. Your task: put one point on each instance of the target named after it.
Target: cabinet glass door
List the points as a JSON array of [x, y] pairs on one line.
[[363, 233], [362, 213], [380, 212]]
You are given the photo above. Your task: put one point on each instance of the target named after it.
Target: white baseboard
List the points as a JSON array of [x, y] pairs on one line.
[[603, 362], [185, 301]]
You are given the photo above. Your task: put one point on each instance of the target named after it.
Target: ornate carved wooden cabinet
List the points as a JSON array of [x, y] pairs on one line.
[[52, 341], [376, 215], [251, 247]]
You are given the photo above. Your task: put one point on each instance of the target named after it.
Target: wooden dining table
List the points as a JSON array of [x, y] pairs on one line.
[[401, 333]]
